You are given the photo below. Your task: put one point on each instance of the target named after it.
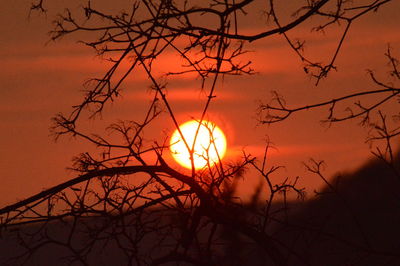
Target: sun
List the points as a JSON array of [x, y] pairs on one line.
[[209, 144]]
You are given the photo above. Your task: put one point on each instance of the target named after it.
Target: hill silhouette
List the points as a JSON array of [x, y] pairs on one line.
[[356, 222]]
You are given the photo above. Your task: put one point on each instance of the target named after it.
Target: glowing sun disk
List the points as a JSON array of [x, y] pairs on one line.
[[209, 147]]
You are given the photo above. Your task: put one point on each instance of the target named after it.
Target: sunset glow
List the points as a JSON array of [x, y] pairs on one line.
[[209, 147]]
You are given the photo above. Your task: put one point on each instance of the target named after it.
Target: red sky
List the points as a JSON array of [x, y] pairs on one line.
[[39, 80]]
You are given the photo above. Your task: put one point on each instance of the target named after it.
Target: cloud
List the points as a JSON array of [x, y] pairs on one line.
[[183, 95]]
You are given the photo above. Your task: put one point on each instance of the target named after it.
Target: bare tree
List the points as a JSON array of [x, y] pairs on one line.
[[151, 212]]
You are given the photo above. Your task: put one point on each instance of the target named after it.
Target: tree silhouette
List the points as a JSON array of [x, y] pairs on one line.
[[143, 209]]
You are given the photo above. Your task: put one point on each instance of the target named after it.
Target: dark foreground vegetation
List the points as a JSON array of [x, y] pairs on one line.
[[354, 221]]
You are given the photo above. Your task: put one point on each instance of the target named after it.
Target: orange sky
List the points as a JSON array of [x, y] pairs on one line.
[[38, 81]]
